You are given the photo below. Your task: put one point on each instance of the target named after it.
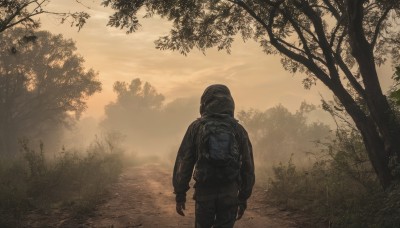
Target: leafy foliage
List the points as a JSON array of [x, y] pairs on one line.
[[138, 95], [298, 30], [22, 13], [141, 114], [395, 93], [36, 96]]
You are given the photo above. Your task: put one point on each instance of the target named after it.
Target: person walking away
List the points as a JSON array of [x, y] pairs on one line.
[[217, 151]]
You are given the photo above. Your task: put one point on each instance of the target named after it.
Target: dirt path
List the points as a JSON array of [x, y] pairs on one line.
[[143, 198]]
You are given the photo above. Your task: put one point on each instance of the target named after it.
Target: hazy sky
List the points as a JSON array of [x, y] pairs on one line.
[[255, 79]]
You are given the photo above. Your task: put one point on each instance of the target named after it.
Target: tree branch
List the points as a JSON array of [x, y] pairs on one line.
[[297, 28], [323, 42], [319, 73], [379, 24], [335, 30], [353, 81], [332, 9], [6, 23]]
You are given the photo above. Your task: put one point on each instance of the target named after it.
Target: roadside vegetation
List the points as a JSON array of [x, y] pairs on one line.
[[74, 181], [339, 188]]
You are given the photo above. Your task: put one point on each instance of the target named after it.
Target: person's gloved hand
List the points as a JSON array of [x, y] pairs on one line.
[[180, 206], [241, 208], [180, 203]]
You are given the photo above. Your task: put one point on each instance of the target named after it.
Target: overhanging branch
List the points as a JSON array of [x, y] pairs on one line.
[[379, 25]]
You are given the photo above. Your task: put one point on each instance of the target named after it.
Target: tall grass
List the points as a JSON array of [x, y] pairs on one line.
[[339, 190], [72, 180]]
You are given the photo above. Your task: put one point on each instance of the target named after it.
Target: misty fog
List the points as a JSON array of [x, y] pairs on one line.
[[150, 126], [96, 96]]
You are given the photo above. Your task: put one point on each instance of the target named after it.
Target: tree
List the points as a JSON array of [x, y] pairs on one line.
[[23, 13], [337, 42], [277, 134], [142, 115], [42, 85]]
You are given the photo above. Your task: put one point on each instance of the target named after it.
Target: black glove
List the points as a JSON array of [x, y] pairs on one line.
[[180, 203], [241, 208], [180, 206]]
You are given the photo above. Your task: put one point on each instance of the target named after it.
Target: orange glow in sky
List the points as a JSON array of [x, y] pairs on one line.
[[256, 80]]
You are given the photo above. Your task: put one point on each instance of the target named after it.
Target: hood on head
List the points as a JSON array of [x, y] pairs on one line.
[[217, 99]]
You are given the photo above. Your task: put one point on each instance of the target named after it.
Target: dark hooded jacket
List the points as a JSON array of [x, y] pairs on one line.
[[215, 101]]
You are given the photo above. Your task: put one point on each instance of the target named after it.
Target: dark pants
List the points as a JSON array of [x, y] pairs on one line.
[[219, 212]]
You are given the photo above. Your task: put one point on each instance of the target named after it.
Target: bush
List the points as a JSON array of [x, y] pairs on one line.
[[340, 189], [71, 180]]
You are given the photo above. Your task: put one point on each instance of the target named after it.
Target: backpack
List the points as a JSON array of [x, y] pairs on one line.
[[218, 157]]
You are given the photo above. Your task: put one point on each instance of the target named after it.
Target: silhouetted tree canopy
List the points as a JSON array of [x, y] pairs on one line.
[[145, 118], [337, 42], [42, 84], [23, 13], [277, 133]]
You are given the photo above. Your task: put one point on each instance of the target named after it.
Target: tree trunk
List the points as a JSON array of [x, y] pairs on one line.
[[372, 139], [376, 152], [380, 110], [382, 115]]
